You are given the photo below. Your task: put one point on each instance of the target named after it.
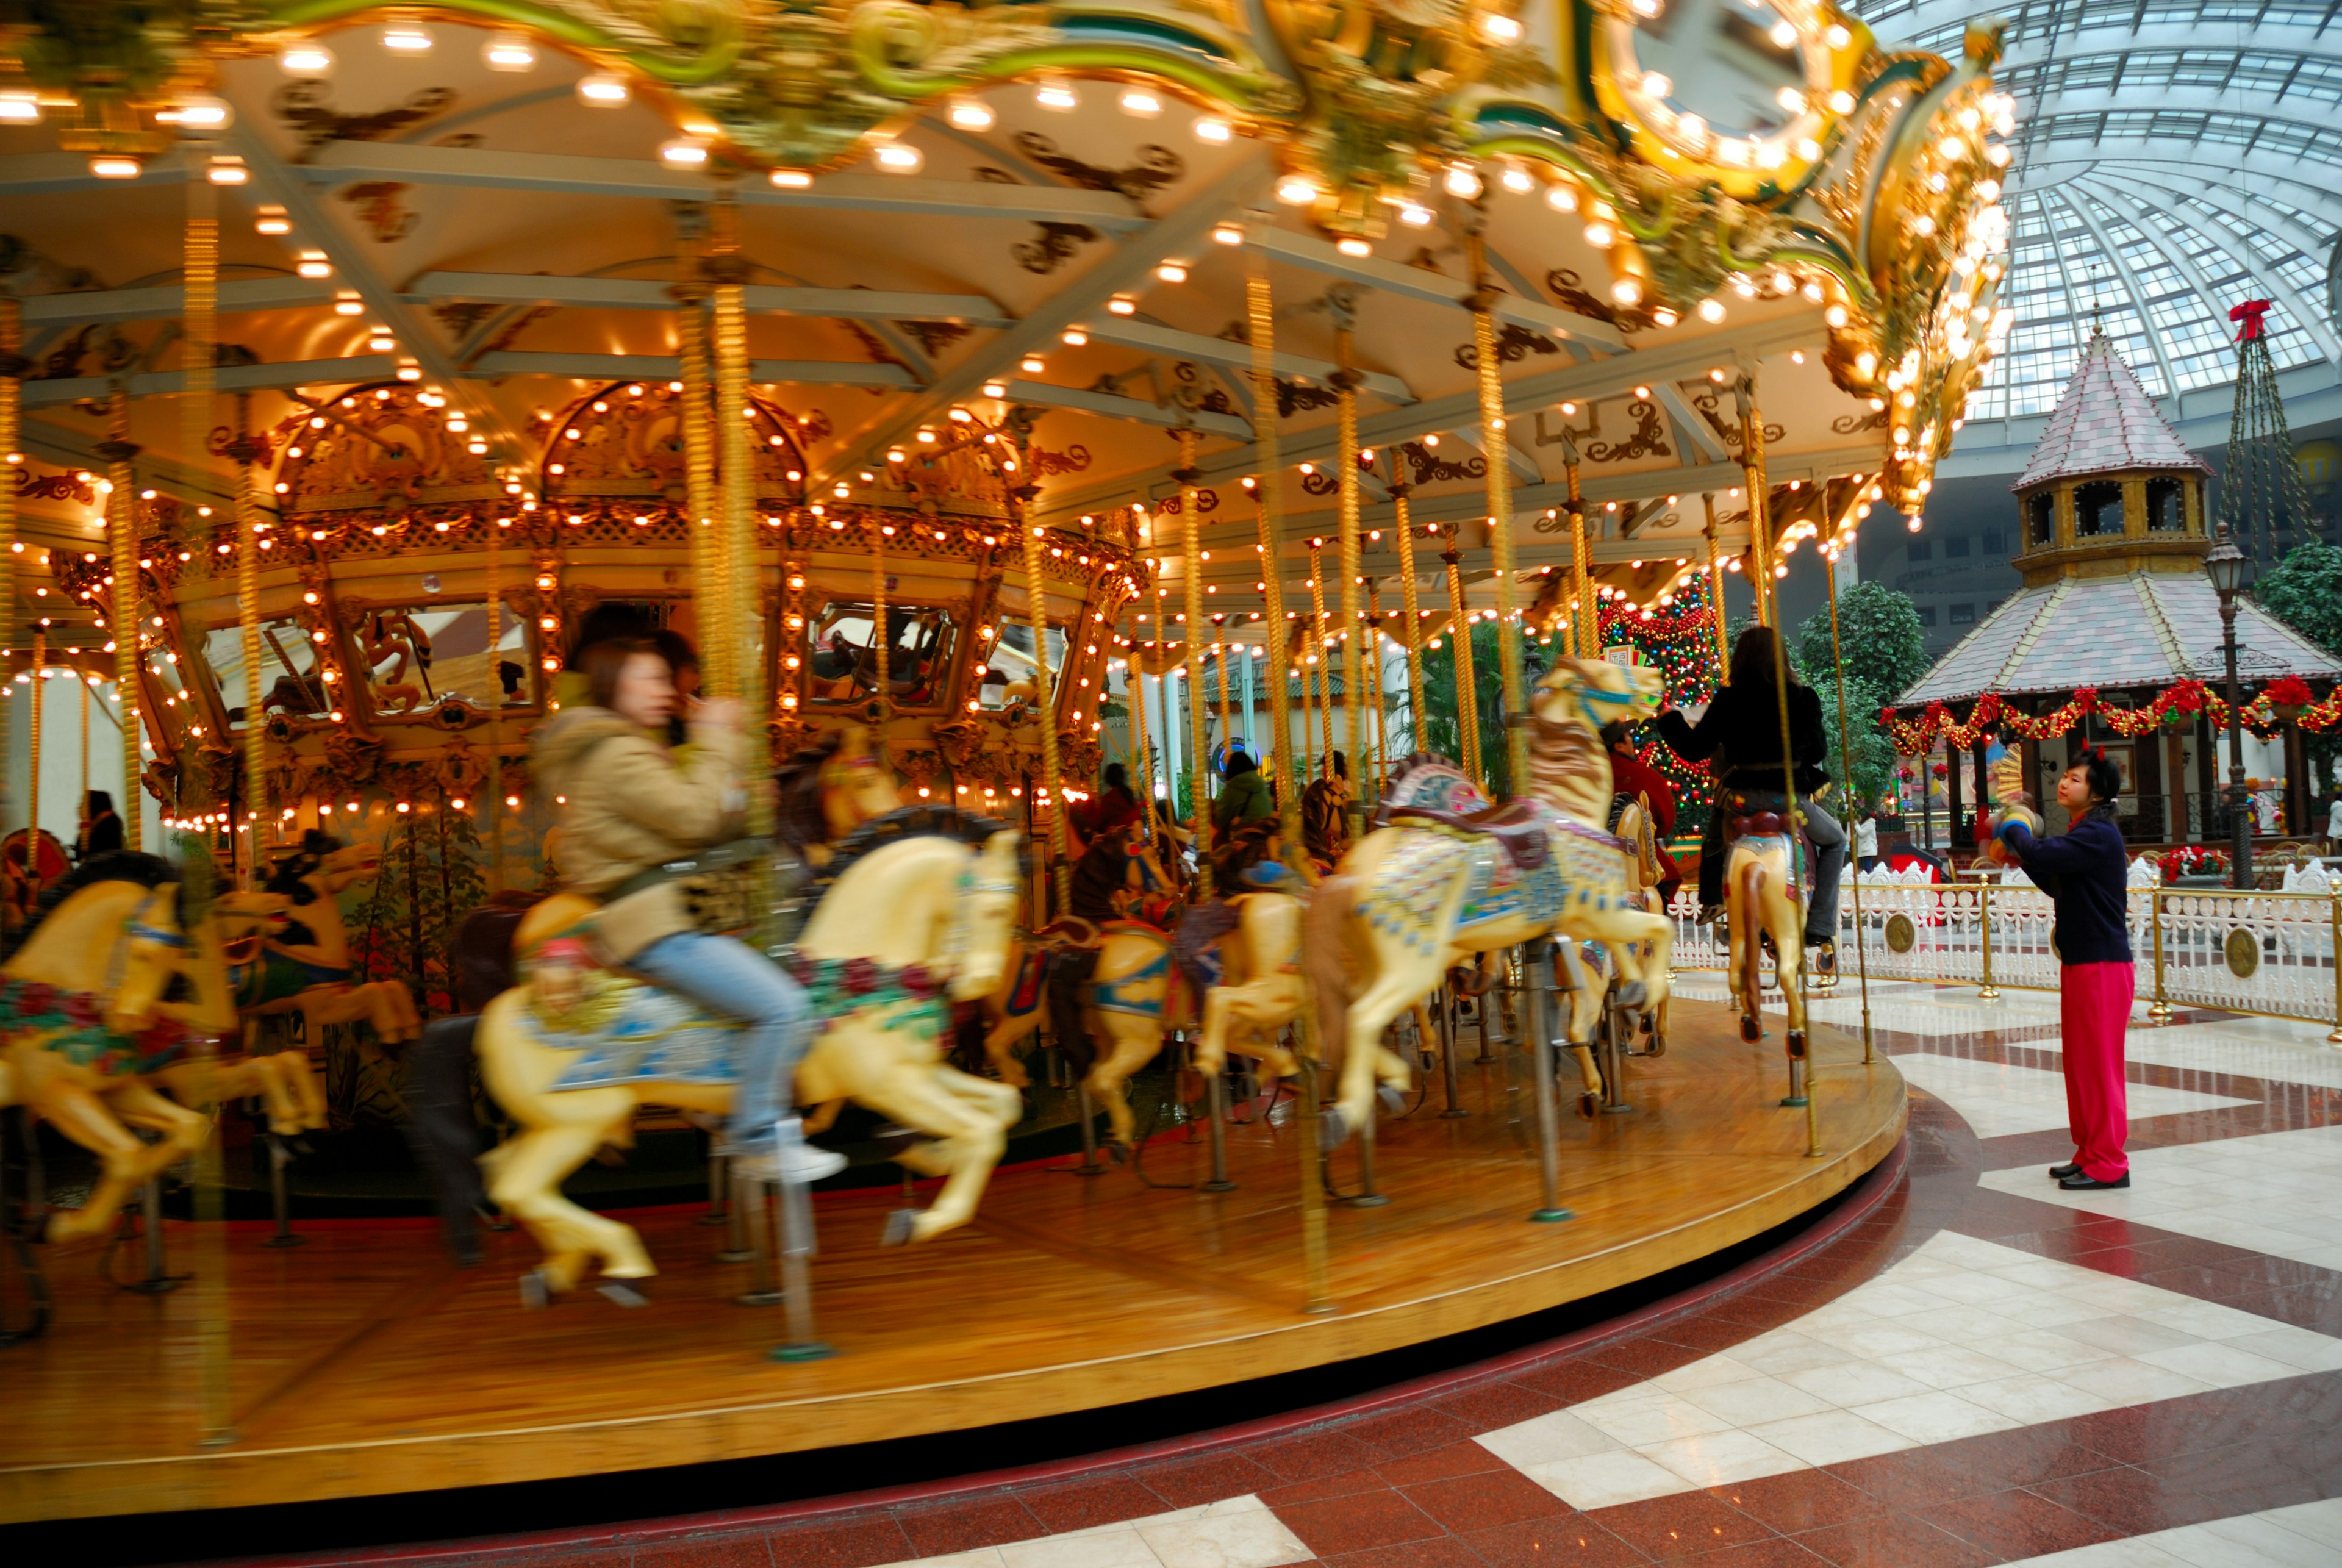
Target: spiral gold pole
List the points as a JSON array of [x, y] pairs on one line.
[[1846, 770], [81, 679], [1716, 590], [1468, 696], [494, 611], [1347, 514], [711, 586], [1037, 606], [12, 387], [1493, 442], [1318, 651], [1191, 512], [248, 524], [1136, 675], [1760, 497], [881, 641], [1586, 616], [1220, 659], [32, 821], [122, 527], [1372, 632], [1411, 633], [1163, 689]]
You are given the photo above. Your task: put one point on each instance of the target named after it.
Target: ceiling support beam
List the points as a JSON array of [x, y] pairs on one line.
[[1124, 268], [667, 367], [561, 174], [167, 303], [230, 378], [1690, 428], [1113, 406], [1434, 288], [1174, 343], [652, 294]]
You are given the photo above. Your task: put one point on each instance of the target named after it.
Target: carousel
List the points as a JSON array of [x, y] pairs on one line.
[[973, 399]]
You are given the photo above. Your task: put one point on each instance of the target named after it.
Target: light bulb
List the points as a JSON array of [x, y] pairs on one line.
[[1211, 128], [406, 38], [1056, 96], [604, 89], [970, 114], [306, 60], [509, 52], [1138, 101], [900, 158]]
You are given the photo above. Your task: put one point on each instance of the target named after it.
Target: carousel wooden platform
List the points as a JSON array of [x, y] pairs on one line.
[[365, 1364]]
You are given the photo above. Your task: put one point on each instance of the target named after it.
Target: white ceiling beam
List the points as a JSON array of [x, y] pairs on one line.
[[1112, 406], [1177, 345], [2124, 279], [1123, 268], [562, 173], [495, 366], [1689, 427], [59, 174], [231, 378], [651, 294], [237, 296], [2277, 224], [2136, 212], [1317, 256]]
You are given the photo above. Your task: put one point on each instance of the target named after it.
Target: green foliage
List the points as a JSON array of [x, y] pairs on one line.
[[431, 878], [1884, 650], [1439, 727], [2305, 592]]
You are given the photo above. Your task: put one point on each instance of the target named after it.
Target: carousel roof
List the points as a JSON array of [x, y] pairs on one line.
[[2105, 423], [2150, 629]]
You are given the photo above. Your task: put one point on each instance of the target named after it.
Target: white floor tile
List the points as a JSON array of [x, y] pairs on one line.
[[2321, 1522], [1998, 1100], [1719, 1458], [1117, 1548], [1950, 1366], [2249, 1541], [1248, 1538], [1855, 1383], [2123, 1381], [1831, 1437], [1556, 1435], [1606, 1480], [2031, 1398], [1654, 1421], [1746, 1402], [1937, 1416]]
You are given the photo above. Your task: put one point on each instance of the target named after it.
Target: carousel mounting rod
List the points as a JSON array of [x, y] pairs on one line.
[[166, 303], [230, 378], [668, 367], [1182, 233], [1689, 359], [653, 293], [1415, 283], [563, 173], [1205, 350]]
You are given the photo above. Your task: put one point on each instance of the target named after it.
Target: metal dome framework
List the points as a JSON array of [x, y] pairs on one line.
[[2173, 157]]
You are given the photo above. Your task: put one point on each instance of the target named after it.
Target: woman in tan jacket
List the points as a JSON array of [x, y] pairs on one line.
[[631, 809]]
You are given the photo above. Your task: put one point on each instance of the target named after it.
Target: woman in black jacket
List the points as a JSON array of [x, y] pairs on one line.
[[1743, 723]]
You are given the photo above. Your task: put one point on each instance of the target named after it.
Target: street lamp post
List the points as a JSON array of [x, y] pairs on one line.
[[2226, 567]]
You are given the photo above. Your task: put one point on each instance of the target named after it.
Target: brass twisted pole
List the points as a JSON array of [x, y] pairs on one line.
[[1379, 738], [494, 612], [1586, 635], [1715, 586], [13, 367], [1760, 496], [1494, 445], [1348, 513], [712, 583], [248, 525], [1021, 492], [122, 526], [1220, 659], [33, 805], [1845, 768], [1192, 536], [1468, 696], [1318, 656], [1136, 677], [881, 636], [1411, 633]]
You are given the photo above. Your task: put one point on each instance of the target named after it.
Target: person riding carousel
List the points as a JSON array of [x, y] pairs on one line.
[[631, 812], [1743, 720]]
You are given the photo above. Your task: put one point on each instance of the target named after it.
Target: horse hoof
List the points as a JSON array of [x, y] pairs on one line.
[[1116, 1152], [492, 1220], [1633, 994], [1797, 1045], [1333, 1128], [623, 1294], [900, 1225], [535, 1293], [1589, 1106], [1393, 1101], [1750, 1030]]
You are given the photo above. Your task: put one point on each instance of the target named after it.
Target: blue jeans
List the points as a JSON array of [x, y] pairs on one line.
[[730, 977]]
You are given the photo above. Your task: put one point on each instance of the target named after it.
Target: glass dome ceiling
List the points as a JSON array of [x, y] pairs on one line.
[[2173, 157]]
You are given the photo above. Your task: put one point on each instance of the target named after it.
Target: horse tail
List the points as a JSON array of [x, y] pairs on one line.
[[1324, 939]]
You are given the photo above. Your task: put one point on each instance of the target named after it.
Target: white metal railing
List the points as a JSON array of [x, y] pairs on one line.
[[2268, 953]]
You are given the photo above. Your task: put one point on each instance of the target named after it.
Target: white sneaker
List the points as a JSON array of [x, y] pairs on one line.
[[790, 1159]]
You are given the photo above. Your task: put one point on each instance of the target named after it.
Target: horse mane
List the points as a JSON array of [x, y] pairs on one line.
[[148, 870], [964, 827], [1562, 757], [286, 878], [798, 819]]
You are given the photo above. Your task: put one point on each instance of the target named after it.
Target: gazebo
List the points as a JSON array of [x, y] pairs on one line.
[[2114, 639]]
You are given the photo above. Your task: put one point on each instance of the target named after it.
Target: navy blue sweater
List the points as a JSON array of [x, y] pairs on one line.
[[2083, 872]]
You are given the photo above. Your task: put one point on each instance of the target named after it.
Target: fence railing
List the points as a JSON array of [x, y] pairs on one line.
[[2266, 953]]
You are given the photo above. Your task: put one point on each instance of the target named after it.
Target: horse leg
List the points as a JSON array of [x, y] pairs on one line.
[[1585, 1011], [1365, 1062], [1744, 896], [968, 1145], [999, 1047], [1132, 1042], [125, 1162], [526, 1185], [1789, 927]]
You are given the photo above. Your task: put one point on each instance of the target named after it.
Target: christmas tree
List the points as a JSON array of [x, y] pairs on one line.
[[1679, 639], [2263, 503]]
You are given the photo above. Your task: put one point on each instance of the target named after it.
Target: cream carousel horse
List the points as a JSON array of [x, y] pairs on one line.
[[88, 1038], [830, 788], [907, 928], [308, 970], [1761, 909], [1413, 898]]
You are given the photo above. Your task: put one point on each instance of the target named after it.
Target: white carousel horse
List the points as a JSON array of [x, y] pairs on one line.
[[88, 1041], [1414, 898], [905, 929]]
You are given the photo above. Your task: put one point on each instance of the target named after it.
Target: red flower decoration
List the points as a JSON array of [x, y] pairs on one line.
[[80, 1010], [2290, 690], [918, 982], [860, 977], [35, 996]]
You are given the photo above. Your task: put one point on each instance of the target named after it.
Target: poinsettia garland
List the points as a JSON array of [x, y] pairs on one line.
[[2288, 697], [1679, 639]]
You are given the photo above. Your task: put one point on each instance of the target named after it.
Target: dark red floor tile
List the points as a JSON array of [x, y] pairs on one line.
[[852, 1542], [2018, 1524], [1575, 1381], [1418, 1429], [1185, 1482], [1353, 1523], [1440, 1464], [1493, 1497], [735, 1550], [1891, 1541], [1679, 1526], [1325, 1452], [1642, 1358], [1774, 1552], [1098, 1499], [1440, 1551], [1800, 1501], [2023, 1456], [1570, 1539], [939, 1529], [1342, 1484], [2129, 1501], [1495, 1405], [1706, 1335], [1916, 1477]]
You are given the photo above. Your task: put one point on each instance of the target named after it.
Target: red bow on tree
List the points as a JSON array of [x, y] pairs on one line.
[[2250, 313]]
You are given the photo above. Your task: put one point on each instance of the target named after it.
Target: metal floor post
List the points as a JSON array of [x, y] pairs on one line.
[[796, 1243], [1539, 1028], [278, 1197], [150, 1204], [1089, 1165], [753, 1197], [719, 1207], [736, 1248], [1447, 1032], [1215, 1111]]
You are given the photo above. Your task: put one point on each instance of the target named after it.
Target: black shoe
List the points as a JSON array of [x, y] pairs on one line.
[[2059, 1172], [2078, 1182]]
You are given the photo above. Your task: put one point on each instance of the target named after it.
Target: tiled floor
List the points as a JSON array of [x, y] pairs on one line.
[[1981, 1370]]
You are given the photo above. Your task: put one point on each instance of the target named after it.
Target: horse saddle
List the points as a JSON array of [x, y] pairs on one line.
[[1518, 827], [616, 1026], [1758, 814]]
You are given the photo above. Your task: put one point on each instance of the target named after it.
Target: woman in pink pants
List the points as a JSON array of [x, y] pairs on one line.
[[2082, 870]]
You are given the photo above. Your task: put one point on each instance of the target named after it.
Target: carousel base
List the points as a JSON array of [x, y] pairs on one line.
[[365, 1364]]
